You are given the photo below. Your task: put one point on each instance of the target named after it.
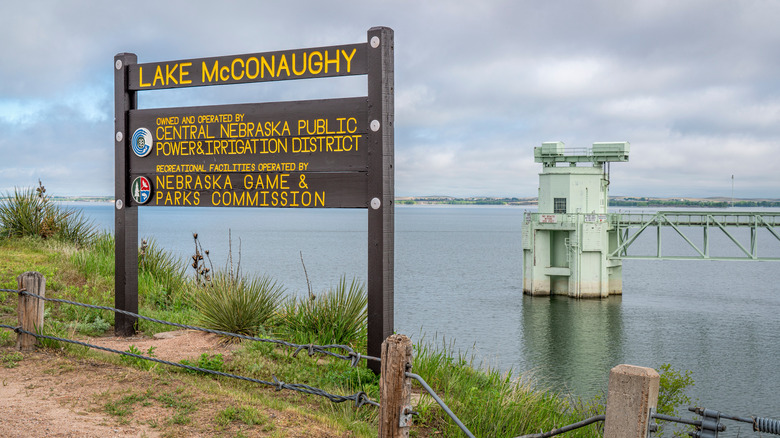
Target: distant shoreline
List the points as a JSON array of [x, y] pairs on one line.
[[614, 201]]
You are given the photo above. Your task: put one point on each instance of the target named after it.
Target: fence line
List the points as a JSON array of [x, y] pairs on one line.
[[351, 355], [360, 398], [400, 411]]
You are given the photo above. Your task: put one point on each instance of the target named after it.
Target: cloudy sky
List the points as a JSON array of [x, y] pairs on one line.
[[693, 85]]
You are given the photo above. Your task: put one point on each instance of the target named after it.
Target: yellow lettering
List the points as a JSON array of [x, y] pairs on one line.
[[158, 75], [233, 69], [224, 73], [141, 78], [271, 68], [169, 77], [312, 63], [303, 70], [349, 59], [209, 76], [257, 67], [184, 73], [283, 66], [332, 61]]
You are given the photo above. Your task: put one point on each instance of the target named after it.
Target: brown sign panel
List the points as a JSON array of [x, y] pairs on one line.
[[313, 136], [253, 189], [320, 62]]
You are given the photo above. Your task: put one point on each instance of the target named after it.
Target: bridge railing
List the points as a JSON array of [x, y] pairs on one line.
[[698, 218], [629, 226]]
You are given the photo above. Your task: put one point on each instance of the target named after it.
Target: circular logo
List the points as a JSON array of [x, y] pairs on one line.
[[142, 142], [141, 190]]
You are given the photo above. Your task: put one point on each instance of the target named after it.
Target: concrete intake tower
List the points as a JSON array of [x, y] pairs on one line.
[[566, 244]]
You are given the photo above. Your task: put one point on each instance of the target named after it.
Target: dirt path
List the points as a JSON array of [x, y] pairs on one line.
[[50, 394]]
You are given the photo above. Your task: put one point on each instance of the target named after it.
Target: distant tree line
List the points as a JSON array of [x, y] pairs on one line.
[[463, 201], [644, 202]]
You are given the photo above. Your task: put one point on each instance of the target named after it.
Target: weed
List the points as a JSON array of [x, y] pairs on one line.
[[180, 418], [206, 361], [137, 361], [336, 316], [245, 414], [6, 338], [96, 327], [11, 360]]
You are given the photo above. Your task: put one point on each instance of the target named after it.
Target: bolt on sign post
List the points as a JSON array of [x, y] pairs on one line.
[[330, 153]]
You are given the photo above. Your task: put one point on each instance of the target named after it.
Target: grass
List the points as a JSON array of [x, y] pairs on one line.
[[336, 316], [11, 359], [489, 402], [244, 414]]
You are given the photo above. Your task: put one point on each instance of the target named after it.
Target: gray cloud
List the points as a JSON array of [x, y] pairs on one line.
[[692, 84]]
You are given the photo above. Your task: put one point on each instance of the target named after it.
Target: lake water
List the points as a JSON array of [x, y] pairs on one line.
[[458, 279]]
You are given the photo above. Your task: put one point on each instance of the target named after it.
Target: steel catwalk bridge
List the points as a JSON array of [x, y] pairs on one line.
[[743, 229]]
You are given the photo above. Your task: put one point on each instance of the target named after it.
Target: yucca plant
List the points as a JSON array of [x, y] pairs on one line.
[[336, 316], [237, 304], [30, 212]]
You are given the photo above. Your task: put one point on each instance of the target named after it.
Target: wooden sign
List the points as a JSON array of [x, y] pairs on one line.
[[307, 154]]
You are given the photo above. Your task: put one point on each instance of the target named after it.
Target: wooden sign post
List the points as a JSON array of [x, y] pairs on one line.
[[331, 153]]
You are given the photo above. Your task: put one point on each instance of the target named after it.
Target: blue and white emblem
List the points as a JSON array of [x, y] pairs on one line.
[[142, 142]]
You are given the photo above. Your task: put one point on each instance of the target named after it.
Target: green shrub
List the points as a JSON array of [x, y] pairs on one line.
[[337, 316], [237, 304], [208, 362], [672, 394], [29, 212], [137, 361]]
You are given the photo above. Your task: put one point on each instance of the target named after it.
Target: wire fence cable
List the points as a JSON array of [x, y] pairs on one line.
[[359, 398], [351, 355], [565, 429]]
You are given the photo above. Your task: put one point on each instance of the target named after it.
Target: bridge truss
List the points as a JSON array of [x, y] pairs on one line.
[[757, 225]]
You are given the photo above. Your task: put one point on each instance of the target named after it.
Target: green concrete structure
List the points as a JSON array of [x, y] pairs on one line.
[[573, 247], [567, 244]]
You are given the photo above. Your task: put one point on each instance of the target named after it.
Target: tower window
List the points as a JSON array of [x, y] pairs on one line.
[[559, 205]]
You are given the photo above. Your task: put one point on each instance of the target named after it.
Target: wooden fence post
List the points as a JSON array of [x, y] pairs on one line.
[[631, 393], [395, 388], [30, 310]]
